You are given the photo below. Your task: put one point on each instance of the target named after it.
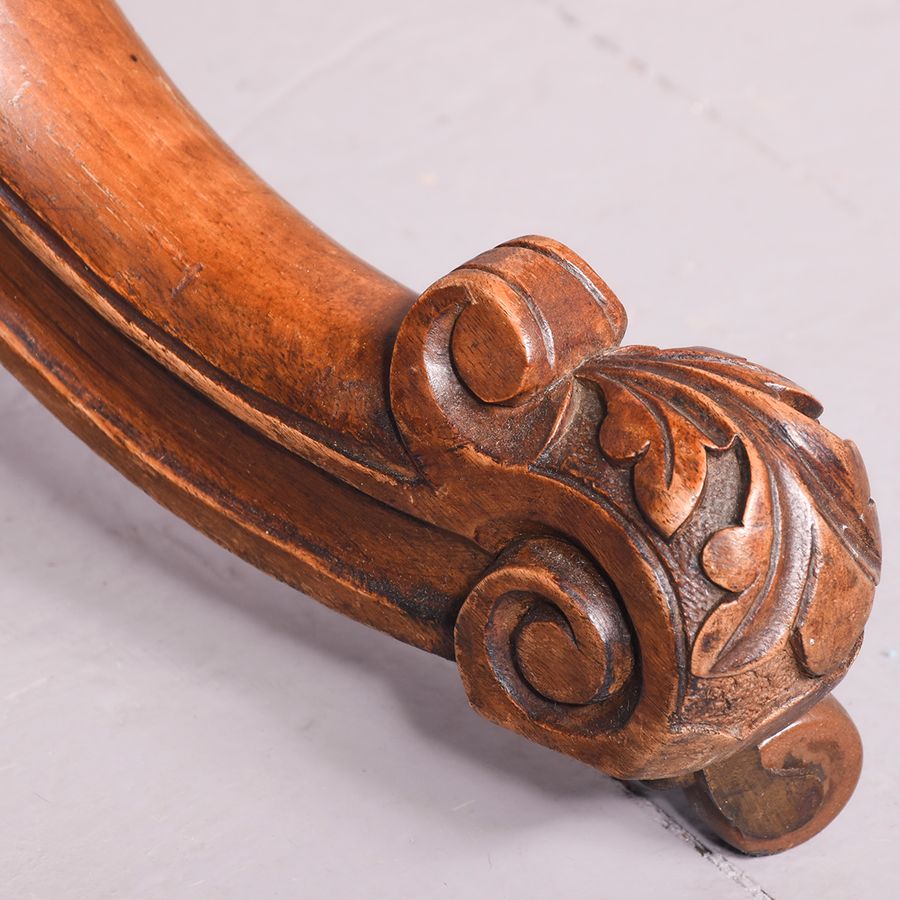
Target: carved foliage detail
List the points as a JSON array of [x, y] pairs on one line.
[[510, 390], [807, 501]]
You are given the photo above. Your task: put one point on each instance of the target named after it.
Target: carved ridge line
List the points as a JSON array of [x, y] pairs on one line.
[[868, 565], [595, 292], [648, 554], [652, 405], [774, 568], [284, 535], [256, 410]]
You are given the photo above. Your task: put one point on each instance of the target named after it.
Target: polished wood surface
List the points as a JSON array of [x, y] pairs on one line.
[[655, 561]]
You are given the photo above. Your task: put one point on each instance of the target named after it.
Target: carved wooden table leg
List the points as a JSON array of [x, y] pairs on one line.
[[656, 561]]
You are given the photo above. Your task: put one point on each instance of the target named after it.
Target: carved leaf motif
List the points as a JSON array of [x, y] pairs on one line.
[[667, 449], [806, 508]]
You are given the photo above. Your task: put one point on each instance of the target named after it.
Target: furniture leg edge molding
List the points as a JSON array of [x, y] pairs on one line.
[[656, 561]]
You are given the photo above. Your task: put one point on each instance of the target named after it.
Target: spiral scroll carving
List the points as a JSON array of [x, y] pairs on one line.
[[484, 355], [733, 536], [543, 634]]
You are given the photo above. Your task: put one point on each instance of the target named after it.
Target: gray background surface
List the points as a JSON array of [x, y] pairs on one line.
[[177, 725]]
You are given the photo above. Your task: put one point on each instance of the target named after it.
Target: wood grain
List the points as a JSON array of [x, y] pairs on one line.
[[652, 560]]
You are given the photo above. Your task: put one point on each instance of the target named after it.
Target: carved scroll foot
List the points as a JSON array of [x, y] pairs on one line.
[[783, 791], [639, 557]]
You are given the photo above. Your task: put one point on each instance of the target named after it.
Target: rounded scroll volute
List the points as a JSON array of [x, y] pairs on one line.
[[497, 341], [515, 334], [731, 541], [543, 640], [497, 344]]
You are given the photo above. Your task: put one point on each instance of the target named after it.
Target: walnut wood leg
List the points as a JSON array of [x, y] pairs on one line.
[[774, 795], [639, 557]]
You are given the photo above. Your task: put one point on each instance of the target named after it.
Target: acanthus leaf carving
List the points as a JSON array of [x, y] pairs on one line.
[[735, 532], [665, 411], [645, 428]]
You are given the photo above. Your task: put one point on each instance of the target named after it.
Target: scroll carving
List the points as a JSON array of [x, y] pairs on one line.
[[736, 532], [656, 561], [543, 635]]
